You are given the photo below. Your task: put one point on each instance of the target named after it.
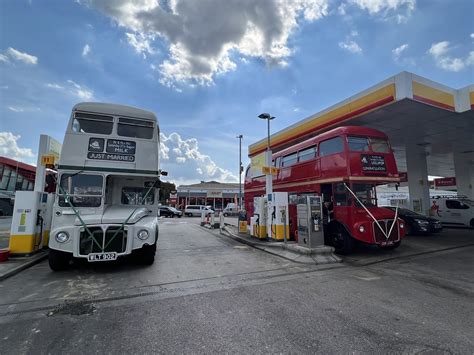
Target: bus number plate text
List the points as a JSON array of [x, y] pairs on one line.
[[93, 257]]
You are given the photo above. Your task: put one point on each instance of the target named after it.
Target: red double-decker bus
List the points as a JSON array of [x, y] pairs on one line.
[[344, 165]]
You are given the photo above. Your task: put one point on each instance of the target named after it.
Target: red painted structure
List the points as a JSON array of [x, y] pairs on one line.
[[361, 158]]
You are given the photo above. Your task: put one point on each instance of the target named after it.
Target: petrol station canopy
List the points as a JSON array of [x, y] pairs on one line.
[[410, 109]]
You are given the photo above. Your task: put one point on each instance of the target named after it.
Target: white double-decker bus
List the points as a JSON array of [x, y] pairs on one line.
[[106, 203]]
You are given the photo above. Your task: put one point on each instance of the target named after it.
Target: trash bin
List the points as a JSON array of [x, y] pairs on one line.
[[242, 221]]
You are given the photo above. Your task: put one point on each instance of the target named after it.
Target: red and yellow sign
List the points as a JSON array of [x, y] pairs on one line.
[[270, 170], [47, 160]]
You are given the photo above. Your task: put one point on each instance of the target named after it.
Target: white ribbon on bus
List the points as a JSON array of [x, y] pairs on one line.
[[370, 214]]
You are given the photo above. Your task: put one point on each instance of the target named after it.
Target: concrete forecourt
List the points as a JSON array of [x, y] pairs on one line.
[[207, 293]]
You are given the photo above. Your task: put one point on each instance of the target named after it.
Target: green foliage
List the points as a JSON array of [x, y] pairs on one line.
[[165, 189]]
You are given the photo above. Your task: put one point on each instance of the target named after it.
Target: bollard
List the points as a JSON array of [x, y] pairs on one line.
[[214, 224], [203, 215], [221, 220]]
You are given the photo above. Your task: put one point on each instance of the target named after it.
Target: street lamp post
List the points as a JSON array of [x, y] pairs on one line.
[[240, 170], [268, 160]]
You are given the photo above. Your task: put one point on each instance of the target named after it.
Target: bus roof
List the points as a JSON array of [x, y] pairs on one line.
[[114, 109], [347, 130]]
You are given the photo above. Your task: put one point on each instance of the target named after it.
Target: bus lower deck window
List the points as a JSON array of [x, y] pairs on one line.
[[82, 190]]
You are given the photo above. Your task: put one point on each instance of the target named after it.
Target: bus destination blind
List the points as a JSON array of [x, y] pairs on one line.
[[115, 149], [373, 163]]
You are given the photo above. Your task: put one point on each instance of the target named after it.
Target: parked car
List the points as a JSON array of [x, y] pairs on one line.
[[168, 211], [416, 223], [230, 211], [196, 210], [456, 211]]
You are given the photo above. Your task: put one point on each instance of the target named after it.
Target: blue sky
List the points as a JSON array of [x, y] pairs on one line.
[[207, 68]]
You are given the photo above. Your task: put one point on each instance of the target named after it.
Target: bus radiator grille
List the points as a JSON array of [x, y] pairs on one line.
[[105, 241], [386, 224]]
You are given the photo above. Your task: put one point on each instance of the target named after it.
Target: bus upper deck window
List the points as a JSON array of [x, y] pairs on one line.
[[128, 127], [379, 145], [88, 123], [331, 146], [358, 144]]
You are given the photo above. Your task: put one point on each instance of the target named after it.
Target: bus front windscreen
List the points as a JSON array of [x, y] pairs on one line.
[[81, 190], [366, 194]]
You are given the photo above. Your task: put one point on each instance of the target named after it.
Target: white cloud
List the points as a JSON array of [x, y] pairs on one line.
[[54, 86], [472, 35], [9, 148], [12, 54], [440, 53], [86, 50], [186, 164], [399, 10], [141, 43], [203, 36], [80, 91], [74, 89], [350, 46], [23, 109], [15, 109], [397, 52]]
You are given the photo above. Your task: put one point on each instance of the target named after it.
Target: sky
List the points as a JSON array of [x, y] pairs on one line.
[[208, 68]]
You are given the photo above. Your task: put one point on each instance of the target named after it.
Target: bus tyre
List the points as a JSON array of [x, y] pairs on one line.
[[472, 223], [58, 260], [146, 254], [341, 240]]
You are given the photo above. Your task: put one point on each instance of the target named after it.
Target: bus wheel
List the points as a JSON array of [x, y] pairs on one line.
[[58, 260], [146, 255], [341, 240]]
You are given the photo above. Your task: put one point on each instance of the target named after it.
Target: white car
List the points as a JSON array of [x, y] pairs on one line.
[[453, 211], [196, 210]]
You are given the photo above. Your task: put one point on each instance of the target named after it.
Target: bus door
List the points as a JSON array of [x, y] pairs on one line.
[[341, 202]]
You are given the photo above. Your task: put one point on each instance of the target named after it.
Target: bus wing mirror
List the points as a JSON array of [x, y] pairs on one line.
[[164, 173]]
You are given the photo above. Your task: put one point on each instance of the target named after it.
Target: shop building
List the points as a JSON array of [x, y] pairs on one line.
[[211, 193]]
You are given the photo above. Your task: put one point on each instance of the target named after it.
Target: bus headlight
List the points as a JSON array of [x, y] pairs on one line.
[[143, 234], [361, 229], [62, 237], [402, 225]]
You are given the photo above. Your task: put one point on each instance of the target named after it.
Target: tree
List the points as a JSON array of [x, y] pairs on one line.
[[165, 189]]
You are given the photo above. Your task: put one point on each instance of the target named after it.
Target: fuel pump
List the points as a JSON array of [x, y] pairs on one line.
[[310, 221], [31, 221], [258, 221], [277, 220]]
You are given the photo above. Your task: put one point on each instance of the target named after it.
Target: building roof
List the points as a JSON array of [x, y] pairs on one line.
[[28, 171], [210, 185]]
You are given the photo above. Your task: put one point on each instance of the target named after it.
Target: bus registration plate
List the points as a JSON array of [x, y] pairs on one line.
[[101, 257]]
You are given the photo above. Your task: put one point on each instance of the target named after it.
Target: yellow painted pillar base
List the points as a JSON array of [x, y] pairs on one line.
[[278, 232], [22, 243]]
